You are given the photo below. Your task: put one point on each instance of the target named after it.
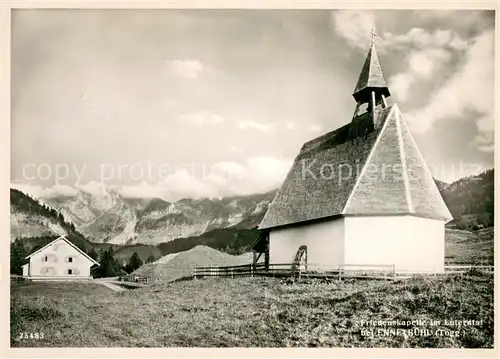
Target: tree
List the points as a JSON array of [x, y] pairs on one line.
[[93, 254], [134, 263], [150, 259], [17, 255], [108, 265]]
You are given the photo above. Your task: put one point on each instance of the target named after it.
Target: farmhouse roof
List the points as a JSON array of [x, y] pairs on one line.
[[67, 241], [370, 166]]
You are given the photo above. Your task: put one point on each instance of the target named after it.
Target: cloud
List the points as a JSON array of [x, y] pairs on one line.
[[225, 178], [422, 64], [290, 126], [201, 118], [470, 88], [137, 114], [93, 187], [251, 124], [486, 148], [143, 190], [315, 128], [428, 53], [354, 26], [232, 170], [235, 149], [267, 169], [483, 140], [421, 39], [183, 183], [45, 192], [400, 85], [189, 69]]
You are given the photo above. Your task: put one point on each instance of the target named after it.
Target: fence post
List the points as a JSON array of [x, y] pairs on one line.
[[195, 272], [340, 272], [394, 271]]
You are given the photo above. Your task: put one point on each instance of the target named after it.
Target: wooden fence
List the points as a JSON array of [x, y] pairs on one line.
[[360, 271], [465, 268], [287, 270], [135, 279]]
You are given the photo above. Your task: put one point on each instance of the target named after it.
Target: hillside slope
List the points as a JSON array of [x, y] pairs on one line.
[[36, 224], [181, 264], [466, 247], [471, 200], [29, 218]]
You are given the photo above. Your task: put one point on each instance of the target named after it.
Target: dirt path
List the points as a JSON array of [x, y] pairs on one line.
[[112, 286]]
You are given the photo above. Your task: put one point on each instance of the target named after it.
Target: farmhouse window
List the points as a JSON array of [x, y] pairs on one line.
[[45, 259], [70, 271], [48, 270], [70, 259]]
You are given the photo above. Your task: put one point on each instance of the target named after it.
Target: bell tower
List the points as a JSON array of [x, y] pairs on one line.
[[371, 90]]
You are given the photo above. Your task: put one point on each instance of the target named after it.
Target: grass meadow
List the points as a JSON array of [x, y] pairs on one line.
[[253, 312]]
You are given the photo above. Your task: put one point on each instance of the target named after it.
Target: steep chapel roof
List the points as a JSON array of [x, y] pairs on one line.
[[370, 166]]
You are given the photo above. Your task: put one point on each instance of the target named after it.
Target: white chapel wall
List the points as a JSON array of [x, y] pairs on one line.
[[324, 240], [410, 243]]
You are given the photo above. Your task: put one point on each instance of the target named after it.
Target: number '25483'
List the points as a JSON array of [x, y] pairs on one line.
[[25, 335]]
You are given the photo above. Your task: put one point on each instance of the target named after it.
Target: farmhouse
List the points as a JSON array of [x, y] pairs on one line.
[[361, 194], [58, 260]]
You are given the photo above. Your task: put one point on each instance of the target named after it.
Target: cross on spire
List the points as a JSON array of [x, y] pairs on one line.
[[373, 33], [371, 78]]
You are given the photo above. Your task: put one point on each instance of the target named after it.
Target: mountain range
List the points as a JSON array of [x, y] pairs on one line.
[[106, 217], [471, 200]]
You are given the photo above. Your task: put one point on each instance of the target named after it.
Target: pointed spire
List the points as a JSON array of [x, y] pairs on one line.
[[371, 77]]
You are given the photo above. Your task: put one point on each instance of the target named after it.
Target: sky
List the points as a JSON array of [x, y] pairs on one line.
[[210, 103]]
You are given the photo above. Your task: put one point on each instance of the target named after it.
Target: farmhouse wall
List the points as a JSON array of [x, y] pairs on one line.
[[57, 264]]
